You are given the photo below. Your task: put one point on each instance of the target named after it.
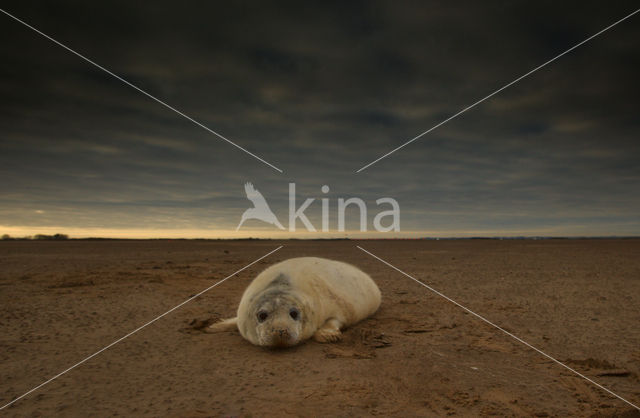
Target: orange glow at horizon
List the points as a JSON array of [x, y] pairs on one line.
[[132, 233]]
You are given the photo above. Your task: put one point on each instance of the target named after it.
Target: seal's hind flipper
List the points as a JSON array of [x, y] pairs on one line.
[[224, 325]]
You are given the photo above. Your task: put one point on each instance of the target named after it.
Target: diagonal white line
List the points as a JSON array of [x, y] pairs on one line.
[[140, 90], [497, 91], [499, 328], [138, 329]]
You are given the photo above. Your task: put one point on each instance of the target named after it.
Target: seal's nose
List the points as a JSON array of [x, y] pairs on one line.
[[280, 337], [282, 333]]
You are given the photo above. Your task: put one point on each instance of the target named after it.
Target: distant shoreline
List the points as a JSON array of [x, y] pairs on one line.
[[519, 238]]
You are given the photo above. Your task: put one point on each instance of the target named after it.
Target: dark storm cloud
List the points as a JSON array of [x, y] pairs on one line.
[[320, 90]]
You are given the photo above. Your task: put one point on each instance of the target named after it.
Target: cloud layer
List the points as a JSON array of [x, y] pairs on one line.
[[320, 91]]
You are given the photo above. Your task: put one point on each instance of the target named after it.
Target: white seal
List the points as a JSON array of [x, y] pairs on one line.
[[300, 298]]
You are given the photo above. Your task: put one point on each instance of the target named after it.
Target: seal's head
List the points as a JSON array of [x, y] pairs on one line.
[[274, 315], [278, 320]]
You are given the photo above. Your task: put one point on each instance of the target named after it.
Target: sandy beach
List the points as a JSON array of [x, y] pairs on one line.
[[419, 355]]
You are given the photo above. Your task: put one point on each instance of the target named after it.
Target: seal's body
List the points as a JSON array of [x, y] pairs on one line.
[[300, 298]]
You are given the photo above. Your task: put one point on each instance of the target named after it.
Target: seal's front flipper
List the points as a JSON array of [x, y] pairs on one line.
[[224, 325], [329, 332]]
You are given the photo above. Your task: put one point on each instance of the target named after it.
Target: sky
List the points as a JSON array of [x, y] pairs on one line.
[[319, 90]]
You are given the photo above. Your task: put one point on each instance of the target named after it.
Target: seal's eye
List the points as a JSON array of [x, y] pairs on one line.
[[294, 314], [262, 316]]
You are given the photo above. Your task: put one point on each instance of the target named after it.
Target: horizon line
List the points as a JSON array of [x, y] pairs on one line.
[[44, 237]]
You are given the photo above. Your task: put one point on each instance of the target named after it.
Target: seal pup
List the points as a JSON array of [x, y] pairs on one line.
[[301, 298]]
